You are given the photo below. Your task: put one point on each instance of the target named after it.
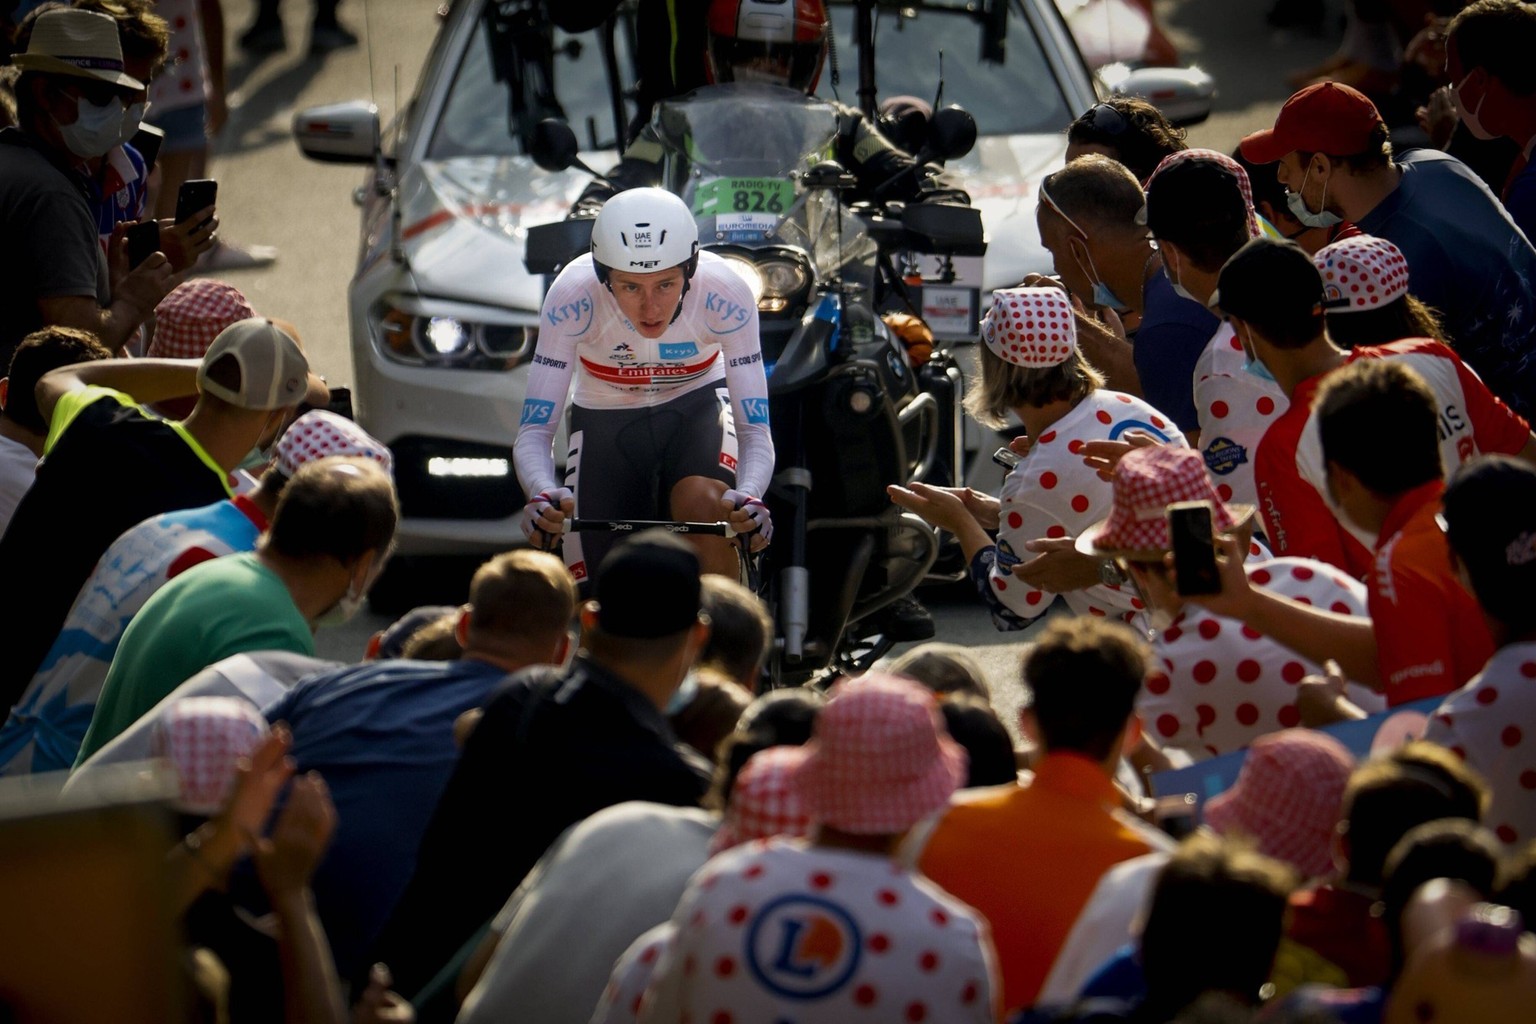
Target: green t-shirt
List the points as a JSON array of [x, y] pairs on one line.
[[220, 608]]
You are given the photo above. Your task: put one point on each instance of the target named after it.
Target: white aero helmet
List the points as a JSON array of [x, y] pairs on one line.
[[642, 231]]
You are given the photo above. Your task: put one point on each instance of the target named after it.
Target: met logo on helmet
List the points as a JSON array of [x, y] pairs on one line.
[[644, 264]]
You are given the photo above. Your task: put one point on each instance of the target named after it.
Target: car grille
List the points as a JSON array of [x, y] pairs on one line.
[[442, 479]]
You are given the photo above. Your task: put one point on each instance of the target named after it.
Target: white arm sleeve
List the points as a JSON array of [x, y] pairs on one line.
[[549, 382], [748, 386]]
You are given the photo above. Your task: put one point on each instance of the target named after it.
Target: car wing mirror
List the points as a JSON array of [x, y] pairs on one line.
[[1184, 95], [342, 133]]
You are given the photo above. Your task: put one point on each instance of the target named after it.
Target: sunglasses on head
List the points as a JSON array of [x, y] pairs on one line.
[[1105, 120]]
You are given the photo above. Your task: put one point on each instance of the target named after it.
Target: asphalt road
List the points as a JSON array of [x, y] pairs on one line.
[[269, 194]]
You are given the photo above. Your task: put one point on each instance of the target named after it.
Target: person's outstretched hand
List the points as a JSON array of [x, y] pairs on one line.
[[287, 858], [939, 506], [1103, 456]]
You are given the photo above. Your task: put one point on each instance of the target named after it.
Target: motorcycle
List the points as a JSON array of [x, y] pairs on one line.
[[849, 412]]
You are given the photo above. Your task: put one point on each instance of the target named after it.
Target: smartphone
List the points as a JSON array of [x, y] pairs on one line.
[[193, 196], [339, 402], [1194, 548], [1006, 458], [147, 142], [143, 241]]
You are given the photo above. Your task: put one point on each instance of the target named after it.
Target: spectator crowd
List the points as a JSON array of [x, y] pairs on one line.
[[561, 805]]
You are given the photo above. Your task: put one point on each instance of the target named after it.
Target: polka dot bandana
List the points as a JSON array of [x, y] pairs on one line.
[[764, 802], [1287, 798], [203, 738], [880, 759], [193, 314], [319, 434], [1146, 482], [1361, 273], [1030, 327]]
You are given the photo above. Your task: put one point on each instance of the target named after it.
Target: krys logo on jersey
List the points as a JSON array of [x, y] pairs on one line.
[[723, 315], [574, 316]]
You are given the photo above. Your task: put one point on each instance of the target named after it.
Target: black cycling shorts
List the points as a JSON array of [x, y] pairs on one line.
[[623, 463]]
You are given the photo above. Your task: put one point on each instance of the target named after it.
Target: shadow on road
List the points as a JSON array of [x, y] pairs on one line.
[[1244, 44]]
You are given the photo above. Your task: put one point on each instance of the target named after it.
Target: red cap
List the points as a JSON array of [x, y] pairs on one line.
[[1324, 118]]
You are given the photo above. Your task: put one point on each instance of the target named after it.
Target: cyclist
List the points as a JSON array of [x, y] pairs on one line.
[[670, 411]]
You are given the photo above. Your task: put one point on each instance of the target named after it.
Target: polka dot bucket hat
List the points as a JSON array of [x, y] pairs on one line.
[[1361, 273], [1031, 327], [1146, 482]]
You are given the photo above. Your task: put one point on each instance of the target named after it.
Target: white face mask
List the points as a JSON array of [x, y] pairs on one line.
[[133, 117], [96, 128], [1298, 207], [1469, 117], [343, 611], [1178, 288]]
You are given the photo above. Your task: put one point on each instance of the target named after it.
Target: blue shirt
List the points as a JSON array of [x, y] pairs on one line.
[[1520, 200], [44, 729], [381, 735], [1173, 332], [1468, 260]]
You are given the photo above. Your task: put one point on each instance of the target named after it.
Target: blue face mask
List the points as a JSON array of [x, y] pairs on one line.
[[1298, 207], [1253, 364], [686, 691], [1103, 295]]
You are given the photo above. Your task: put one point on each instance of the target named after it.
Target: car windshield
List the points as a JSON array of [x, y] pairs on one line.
[[477, 116], [1016, 97]]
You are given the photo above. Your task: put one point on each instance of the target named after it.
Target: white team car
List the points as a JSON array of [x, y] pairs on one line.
[[445, 317]]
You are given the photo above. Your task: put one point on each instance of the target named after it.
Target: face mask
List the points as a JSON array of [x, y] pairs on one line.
[[1178, 289], [1252, 363], [686, 691], [1298, 206], [255, 460], [133, 117], [342, 611], [95, 130], [1469, 117], [1103, 295]]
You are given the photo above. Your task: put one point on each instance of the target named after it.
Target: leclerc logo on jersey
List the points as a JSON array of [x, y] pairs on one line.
[[801, 947]]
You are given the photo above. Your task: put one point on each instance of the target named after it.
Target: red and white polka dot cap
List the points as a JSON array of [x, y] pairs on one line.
[[880, 759], [204, 738], [1361, 273], [193, 314], [1030, 327], [1145, 483], [319, 434], [764, 802]]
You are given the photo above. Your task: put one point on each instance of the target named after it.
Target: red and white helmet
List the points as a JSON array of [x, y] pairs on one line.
[[777, 42]]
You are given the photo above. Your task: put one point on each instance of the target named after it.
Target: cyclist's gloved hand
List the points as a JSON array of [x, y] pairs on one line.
[[748, 514], [544, 516]]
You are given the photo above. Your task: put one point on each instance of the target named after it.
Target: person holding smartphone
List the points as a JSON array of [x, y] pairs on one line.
[[1031, 367], [74, 100], [1217, 686]]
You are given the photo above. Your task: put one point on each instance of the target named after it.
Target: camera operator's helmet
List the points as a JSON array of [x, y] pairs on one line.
[[644, 231], [777, 42]]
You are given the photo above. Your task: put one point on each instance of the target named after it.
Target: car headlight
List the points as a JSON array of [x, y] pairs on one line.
[[421, 332]]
